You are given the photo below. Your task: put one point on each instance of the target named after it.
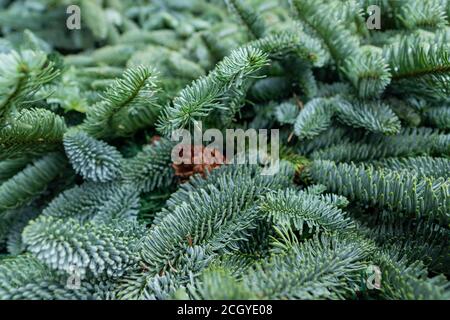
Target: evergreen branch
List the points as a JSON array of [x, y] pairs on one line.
[[21, 75], [424, 166], [165, 286], [30, 131], [97, 249], [368, 72], [409, 281], [409, 142], [95, 160], [307, 82], [394, 190], [314, 119], [327, 139], [438, 117], [232, 172], [373, 116], [25, 278], [215, 213], [218, 283], [212, 207], [320, 268], [405, 112], [316, 14], [248, 17], [410, 59], [299, 210], [286, 113], [10, 167], [414, 240], [204, 95], [19, 220], [31, 182], [422, 14], [151, 168], [231, 75], [127, 105], [421, 67], [292, 42], [96, 203]]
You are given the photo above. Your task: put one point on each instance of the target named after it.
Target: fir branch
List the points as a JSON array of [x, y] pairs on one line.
[[419, 66], [314, 119], [373, 116], [25, 278], [151, 168], [224, 210], [218, 283], [165, 286], [292, 42], [64, 244], [414, 240], [409, 281], [31, 182], [424, 166], [247, 16], [409, 142], [95, 202], [303, 211], [368, 72], [203, 95], [127, 105], [438, 117], [30, 131], [321, 268], [394, 190], [95, 160], [316, 14], [19, 220], [422, 14], [286, 113], [21, 75], [8, 168]]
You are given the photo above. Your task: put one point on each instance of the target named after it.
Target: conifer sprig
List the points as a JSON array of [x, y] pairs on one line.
[[129, 104], [359, 208]]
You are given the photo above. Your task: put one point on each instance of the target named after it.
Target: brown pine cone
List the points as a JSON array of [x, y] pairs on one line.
[[202, 160]]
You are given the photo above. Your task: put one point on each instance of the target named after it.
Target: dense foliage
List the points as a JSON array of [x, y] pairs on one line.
[[91, 206]]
